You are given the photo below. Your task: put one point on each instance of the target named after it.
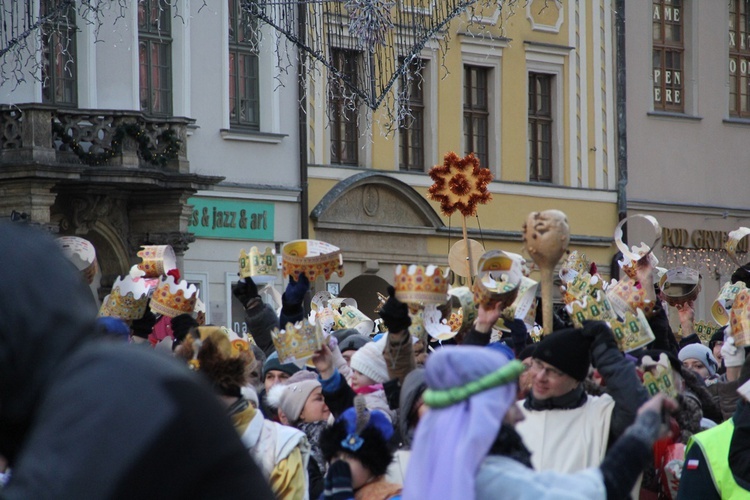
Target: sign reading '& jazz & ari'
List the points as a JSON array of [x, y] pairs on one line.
[[231, 219]]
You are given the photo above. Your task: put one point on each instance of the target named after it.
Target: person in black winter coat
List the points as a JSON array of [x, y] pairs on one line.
[[84, 418]]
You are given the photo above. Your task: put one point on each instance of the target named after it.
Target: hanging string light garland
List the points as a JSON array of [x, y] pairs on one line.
[[708, 261]]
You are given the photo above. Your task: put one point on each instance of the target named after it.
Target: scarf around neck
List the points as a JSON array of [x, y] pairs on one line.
[[313, 430]]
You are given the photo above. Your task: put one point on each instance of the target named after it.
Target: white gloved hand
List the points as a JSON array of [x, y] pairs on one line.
[[733, 355]]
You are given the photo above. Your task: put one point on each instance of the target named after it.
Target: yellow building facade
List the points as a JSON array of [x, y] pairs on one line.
[[531, 91]]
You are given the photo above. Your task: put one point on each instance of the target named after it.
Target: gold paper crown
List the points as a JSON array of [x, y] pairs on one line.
[[172, 299], [723, 303], [658, 376], [739, 318], [351, 317], [128, 299], [256, 263], [633, 332], [591, 308], [297, 341], [629, 265], [575, 265], [312, 257], [582, 285], [705, 330], [418, 285], [156, 260], [625, 296]]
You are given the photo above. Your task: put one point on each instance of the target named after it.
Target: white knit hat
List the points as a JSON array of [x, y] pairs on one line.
[[290, 396], [369, 361]]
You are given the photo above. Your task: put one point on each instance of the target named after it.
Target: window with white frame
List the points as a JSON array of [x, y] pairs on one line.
[[544, 65], [481, 124], [668, 28], [739, 58], [343, 110], [476, 112], [155, 56], [412, 126], [540, 127], [244, 98], [59, 82]]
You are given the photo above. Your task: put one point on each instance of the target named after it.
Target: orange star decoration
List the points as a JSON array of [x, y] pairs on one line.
[[460, 184]]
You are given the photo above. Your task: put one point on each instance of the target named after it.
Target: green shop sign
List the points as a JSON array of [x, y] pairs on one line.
[[231, 219]]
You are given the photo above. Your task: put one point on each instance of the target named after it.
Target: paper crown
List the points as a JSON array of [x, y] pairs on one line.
[[312, 257], [739, 318], [705, 330], [81, 253], [498, 278], [418, 285], [298, 341], [463, 309], [524, 306], [574, 265], [597, 308], [658, 376], [582, 285], [255, 264], [626, 296], [127, 300], [437, 327], [417, 329], [723, 303], [633, 332], [172, 299], [629, 262], [351, 317], [733, 241], [680, 285], [157, 260]]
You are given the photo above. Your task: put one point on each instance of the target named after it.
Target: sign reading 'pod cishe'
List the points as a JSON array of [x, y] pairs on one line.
[[231, 219]]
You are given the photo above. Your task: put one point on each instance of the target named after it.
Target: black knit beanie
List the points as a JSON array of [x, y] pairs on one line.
[[742, 274], [567, 350], [395, 313], [718, 336], [181, 324]]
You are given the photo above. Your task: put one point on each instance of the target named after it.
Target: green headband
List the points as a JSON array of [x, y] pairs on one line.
[[440, 398]]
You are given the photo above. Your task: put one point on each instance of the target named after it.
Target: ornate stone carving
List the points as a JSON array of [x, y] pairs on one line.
[[10, 129], [86, 210]]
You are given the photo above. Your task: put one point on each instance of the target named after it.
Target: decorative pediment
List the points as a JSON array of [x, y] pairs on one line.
[[375, 202]]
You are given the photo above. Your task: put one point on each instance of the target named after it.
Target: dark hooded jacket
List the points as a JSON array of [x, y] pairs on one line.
[[414, 385], [84, 418]]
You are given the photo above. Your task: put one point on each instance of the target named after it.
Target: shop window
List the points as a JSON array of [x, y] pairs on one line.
[[668, 55]]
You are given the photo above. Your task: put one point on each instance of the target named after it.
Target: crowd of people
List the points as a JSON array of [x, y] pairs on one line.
[[89, 410]]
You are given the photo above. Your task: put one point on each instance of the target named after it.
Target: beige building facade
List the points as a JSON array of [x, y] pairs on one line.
[[688, 126]]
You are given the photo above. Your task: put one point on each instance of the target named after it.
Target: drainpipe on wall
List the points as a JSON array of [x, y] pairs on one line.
[[622, 135], [302, 112]]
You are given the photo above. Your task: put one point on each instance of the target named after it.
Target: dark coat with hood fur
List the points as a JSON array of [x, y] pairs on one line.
[[86, 418]]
